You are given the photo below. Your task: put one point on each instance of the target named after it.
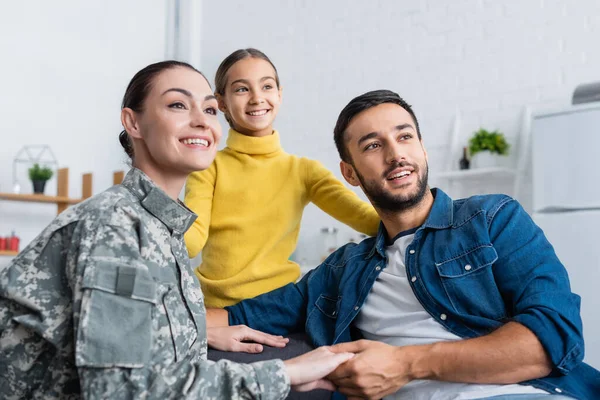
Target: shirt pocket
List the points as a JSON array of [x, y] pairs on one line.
[[328, 306], [183, 329], [322, 318], [468, 280], [115, 326]]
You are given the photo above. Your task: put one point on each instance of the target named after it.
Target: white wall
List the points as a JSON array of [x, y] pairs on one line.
[[485, 58], [65, 66]]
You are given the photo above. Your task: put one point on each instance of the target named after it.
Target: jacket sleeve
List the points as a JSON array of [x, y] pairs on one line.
[[279, 312], [35, 317], [535, 284], [199, 191], [331, 196], [134, 340], [189, 379]]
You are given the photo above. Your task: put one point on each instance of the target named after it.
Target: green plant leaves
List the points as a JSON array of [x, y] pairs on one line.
[[483, 140], [37, 173]]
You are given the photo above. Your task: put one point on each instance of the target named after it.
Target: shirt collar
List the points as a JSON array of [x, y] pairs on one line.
[[253, 145], [441, 216], [176, 216]]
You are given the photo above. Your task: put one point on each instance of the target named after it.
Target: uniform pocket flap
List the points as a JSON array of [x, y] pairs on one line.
[[467, 262], [133, 281]]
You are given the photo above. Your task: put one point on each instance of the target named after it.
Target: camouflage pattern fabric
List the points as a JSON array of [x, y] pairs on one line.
[[103, 304]]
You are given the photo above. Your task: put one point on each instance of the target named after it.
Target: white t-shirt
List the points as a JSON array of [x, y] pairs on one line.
[[392, 314]]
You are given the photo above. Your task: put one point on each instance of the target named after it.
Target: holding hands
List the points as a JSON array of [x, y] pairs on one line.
[[361, 369], [308, 371], [376, 370]]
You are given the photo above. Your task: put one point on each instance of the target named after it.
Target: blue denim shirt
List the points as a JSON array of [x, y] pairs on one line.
[[514, 275]]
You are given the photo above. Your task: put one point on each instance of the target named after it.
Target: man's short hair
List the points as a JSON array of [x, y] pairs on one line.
[[360, 104]]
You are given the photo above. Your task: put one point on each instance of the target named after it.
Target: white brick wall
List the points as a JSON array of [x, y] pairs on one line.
[[486, 58]]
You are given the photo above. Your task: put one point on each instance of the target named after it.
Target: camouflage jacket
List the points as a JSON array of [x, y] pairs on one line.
[[103, 304]]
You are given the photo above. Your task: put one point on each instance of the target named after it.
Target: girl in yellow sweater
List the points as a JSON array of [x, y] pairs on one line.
[[250, 201]]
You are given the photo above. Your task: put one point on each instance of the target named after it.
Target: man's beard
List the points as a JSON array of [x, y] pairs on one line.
[[385, 201]]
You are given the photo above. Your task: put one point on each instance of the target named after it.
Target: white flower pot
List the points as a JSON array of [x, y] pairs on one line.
[[485, 159]]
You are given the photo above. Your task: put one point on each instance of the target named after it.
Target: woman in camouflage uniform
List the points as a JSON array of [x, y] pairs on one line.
[[103, 303]]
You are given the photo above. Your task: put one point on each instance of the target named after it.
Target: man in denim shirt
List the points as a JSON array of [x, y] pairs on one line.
[[456, 299]]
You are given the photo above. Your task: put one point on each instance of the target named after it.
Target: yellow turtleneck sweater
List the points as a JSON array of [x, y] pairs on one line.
[[249, 204]]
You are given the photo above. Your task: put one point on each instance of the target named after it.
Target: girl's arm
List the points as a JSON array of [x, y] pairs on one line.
[[331, 196], [199, 190]]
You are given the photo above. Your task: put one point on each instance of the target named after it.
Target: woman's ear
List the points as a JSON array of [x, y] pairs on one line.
[[130, 123]]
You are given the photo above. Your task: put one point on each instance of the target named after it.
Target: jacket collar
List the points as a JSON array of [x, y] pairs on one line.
[[441, 216], [176, 216]]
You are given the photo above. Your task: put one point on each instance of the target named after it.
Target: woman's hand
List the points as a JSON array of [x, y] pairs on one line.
[[307, 371], [233, 338]]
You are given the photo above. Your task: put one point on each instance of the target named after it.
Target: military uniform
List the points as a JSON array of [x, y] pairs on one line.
[[103, 304]]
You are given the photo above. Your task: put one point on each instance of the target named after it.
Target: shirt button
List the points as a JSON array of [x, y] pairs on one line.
[[413, 279], [557, 390], [443, 317], [412, 251], [468, 267], [356, 308], [377, 268]]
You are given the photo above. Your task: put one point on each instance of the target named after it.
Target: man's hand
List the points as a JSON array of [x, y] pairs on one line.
[[376, 371], [232, 338], [510, 354]]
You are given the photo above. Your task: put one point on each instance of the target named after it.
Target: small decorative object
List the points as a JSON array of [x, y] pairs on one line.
[[485, 146], [39, 176], [31, 154], [329, 241], [9, 243], [464, 162], [13, 242]]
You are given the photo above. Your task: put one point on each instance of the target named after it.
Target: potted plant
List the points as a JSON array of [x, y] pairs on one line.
[[486, 146], [39, 176]]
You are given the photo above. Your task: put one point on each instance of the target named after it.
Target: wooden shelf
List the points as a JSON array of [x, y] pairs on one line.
[[477, 173], [62, 199], [38, 198], [8, 253]]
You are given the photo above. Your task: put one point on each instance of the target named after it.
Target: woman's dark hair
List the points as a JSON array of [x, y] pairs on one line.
[[360, 104], [229, 61], [138, 89]]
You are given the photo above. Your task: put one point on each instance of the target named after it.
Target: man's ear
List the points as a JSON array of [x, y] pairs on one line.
[[424, 150], [349, 173], [221, 102], [130, 123]]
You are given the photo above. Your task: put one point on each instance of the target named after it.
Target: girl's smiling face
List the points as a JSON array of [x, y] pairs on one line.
[[251, 97]]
